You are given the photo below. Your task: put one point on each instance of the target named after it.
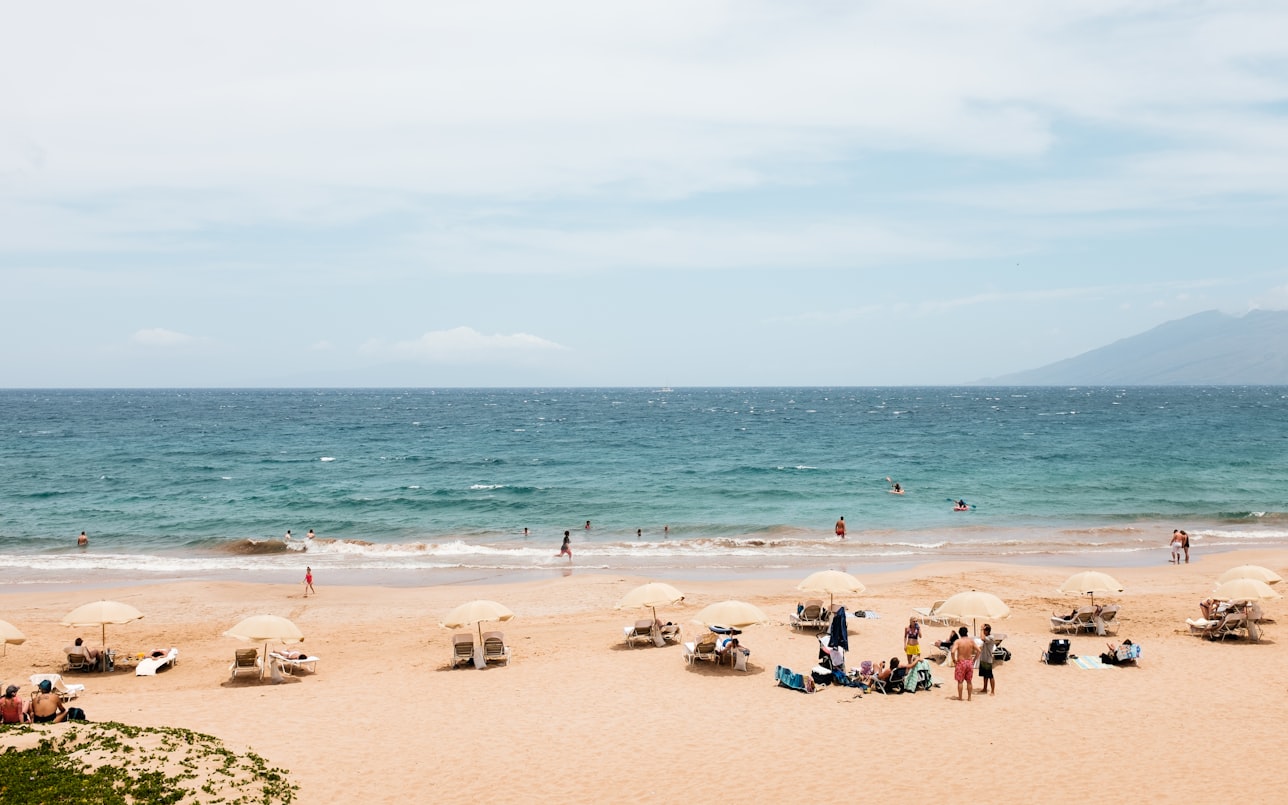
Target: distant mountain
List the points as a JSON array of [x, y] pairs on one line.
[[1206, 349]]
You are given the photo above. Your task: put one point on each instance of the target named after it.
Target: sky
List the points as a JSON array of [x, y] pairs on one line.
[[522, 194]]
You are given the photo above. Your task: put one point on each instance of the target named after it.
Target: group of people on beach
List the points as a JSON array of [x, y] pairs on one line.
[[964, 651], [1180, 544], [45, 706]]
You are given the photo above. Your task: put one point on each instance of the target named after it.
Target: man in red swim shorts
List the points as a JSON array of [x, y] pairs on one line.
[[963, 654]]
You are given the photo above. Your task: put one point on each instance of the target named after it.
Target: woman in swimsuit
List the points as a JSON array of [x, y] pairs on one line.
[[912, 640], [566, 548]]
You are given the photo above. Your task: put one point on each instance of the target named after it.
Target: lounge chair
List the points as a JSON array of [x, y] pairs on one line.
[[79, 662], [148, 666], [462, 648], [702, 649], [1106, 620], [1231, 624], [811, 614], [641, 632], [1081, 620], [246, 662], [292, 664], [65, 691], [495, 649], [930, 617], [1057, 653]]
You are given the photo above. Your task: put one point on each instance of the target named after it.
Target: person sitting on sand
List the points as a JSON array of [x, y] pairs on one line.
[[1112, 656], [46, 706], [13, 709]]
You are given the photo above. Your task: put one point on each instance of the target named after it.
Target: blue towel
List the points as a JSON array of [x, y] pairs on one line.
[[795, 681]]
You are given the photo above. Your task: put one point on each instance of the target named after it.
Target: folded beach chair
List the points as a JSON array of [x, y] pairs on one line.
[[1082, 620], [292, 664], [65, 691], [787, 679], [1057, 653], [918, 677], [811, 614], [495, 649], [246, 662], [462, 648], [641, 632], [148, 666], [704, 648]]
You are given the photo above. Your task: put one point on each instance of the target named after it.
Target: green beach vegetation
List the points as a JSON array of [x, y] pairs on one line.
[[112, 763]]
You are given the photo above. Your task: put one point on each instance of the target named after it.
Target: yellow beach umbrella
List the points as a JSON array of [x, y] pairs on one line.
[[10, 636], [1250, 572], [735, 614], [101, 613], [832, 582]]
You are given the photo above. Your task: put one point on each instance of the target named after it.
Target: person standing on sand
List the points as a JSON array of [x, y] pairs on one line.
[[912, 641], [308, 582], [987, 683], [840, 527], [82, 540], [566, 548], [963, 654], [1185, 544], [1176, 545]]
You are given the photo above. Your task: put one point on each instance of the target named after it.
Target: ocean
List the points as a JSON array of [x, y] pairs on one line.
[[428, 486]]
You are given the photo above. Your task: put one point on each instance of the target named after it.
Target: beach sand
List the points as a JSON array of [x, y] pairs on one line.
[[577, 716]]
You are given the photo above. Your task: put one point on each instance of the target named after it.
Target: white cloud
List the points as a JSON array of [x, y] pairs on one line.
[[464, 345]]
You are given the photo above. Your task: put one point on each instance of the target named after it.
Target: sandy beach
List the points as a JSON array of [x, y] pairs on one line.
[[579, 716]]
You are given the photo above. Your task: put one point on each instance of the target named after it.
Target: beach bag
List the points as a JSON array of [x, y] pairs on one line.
[[76, 714]]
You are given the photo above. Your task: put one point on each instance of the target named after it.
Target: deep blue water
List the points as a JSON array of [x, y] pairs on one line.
[[188, 481]]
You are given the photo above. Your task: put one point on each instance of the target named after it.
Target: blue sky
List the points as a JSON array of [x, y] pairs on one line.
[[665, 193]]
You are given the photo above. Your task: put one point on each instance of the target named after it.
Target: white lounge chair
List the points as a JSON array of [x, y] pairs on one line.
[[1083, 619], [703, 649], [811, 614], [1106, 620], [292, 664], [495, 649], [65, 691], [641, 632], [246, 662], [148, 666], [462, 648], [930, 615]]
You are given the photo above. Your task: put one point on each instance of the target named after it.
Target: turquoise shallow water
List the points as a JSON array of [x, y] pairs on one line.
[[421, 483]]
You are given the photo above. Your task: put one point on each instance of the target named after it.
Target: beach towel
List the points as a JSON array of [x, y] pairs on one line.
[[794, 681], [1088, 662]]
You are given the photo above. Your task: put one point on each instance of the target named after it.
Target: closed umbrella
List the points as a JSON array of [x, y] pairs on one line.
[[101, 613], [737, 614], [974, 605], [10, 635], [1090, 582], [266, 629], [1250, 572], [832, 582]]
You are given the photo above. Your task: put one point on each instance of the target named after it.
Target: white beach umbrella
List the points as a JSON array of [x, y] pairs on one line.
[[10, 636], [473, 613], [735, 614], [652, 595], [1250, 572], [1245, 590], [101, 613], [1090, 582], [832, 582], [974, 605]]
